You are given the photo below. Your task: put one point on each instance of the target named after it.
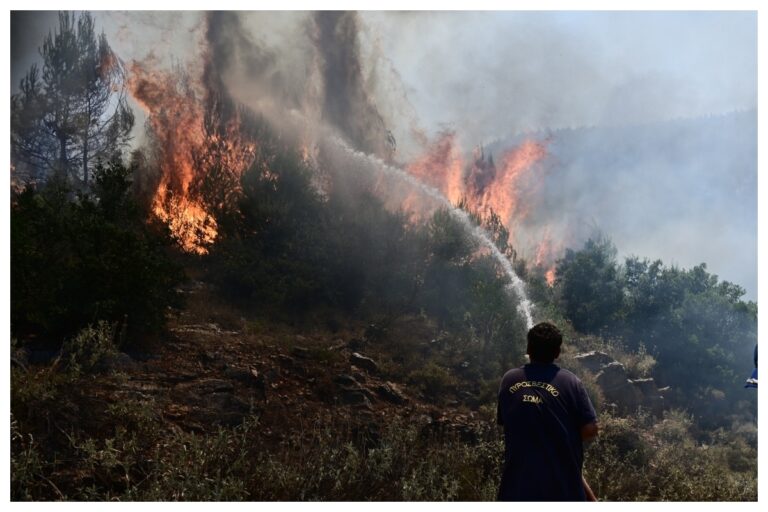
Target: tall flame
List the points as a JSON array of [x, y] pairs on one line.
[[504, 193], [186, 150], [546, 254], [507, 189], [442, 167]]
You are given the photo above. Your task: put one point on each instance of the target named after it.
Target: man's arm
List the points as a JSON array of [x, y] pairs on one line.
[[588, 490], [588, 435]]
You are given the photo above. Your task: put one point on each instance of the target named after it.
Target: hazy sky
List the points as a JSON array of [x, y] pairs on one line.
[[502, 72], [507, 72]]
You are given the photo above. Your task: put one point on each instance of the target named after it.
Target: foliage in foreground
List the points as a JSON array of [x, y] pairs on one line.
[[126, 452]]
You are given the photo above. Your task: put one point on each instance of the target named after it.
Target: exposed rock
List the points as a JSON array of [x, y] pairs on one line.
[[651, 395], [301, 352], [363, 362], [285, 360], [180, 376], [626, 394], [617, 387], [646, 386], [594, 361], [354, 397], [346, 380], [219, 409], [207, 386], [238, 374], [392, 393], [358, 374], [357, 388], [612, 376]]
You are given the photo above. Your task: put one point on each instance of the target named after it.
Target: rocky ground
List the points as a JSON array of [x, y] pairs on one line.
[[202, 377]]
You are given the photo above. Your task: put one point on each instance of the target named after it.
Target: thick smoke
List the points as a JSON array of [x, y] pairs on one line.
[[324, 84], [347, 104], [605, 88]]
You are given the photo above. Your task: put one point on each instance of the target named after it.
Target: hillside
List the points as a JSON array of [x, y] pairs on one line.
[[257, 300], [644, 184], [227, 407]]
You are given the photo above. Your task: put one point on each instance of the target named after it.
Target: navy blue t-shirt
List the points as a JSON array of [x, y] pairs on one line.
[[542, 408]]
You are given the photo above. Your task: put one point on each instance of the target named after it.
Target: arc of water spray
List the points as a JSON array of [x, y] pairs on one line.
[[516, 285]]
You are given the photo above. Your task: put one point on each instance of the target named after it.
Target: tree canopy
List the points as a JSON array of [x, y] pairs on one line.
[[72, 112]]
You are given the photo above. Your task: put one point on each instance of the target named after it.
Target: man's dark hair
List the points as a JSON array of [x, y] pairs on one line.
[[544, 341]]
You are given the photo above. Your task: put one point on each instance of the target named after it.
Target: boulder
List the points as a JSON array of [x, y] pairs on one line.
[[613, 375], [647, 387], [391, 392], [346, 380], [355, 344], [358, 374], [301, 352], [617, 387], [354, 397], [626, 394], [366, 363], [594, 361], [652, 398]]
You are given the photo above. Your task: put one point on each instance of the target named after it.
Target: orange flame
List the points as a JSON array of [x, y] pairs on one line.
[[504, 193], [186, 151], [549, 275], [546, 254], [508, 189], [442, 167]]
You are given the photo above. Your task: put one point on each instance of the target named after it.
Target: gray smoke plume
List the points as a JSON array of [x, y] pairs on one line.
[[347, 104], [656, 188]]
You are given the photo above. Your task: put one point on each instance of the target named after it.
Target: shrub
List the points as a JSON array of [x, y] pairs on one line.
[[91, 350], [434, 380], [75, 261]]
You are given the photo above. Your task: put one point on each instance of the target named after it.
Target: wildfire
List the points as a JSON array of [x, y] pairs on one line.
[[189, 147], [546, 253], [442, 167], [503, 193], [549, 275], [507, 189]]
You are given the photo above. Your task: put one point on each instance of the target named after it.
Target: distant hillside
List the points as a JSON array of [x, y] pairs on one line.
[[683, 191]]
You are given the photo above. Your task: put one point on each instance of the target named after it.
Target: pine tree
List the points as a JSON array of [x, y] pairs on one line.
[[73, 114]]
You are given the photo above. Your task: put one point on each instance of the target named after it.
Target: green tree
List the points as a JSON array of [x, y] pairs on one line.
[[590, 285], [73, 114], [75, 262]]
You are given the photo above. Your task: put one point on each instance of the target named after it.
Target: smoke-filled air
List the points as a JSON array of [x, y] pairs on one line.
[[276, 255]]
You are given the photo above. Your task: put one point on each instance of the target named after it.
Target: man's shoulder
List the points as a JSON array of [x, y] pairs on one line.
[[514, 374], [569, 376]]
